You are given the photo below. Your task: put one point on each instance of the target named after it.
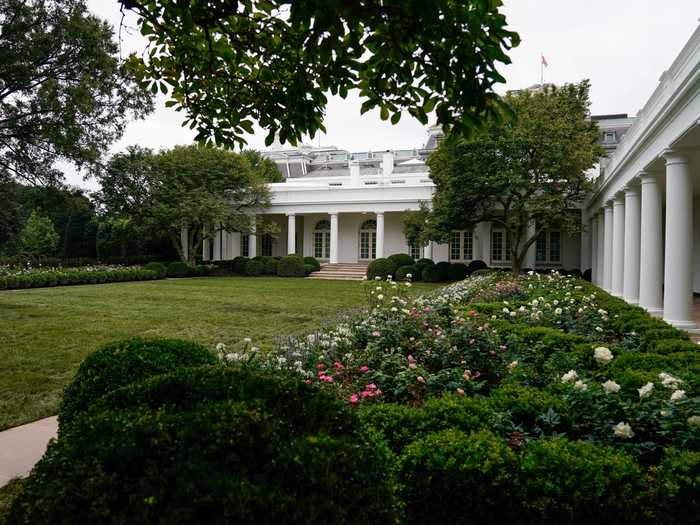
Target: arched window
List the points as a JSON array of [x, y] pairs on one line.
[[368, 240], [322, 240]]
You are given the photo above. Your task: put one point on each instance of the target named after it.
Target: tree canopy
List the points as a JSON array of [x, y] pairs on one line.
[[203, 189], [230, 64], [38, 236], [64, 92], [531, 170]]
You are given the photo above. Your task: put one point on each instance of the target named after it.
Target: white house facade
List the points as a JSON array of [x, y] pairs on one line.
[[348, 207], [643, 220]]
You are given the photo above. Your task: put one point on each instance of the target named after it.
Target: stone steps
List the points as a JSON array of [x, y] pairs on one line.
[[341, 271]]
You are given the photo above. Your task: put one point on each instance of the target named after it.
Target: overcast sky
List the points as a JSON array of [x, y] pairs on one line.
[[622, 46]]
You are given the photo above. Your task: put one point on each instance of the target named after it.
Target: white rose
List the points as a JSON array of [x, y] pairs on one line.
[[669, 381], [557, 311], [247, 340], [506, 311], [611, 387], [220, 347], [380, 297], [513, 364], [623, 430], [602, 355], [645, 390], [678, 395], [580, 385], [570, 377], [513, 313]]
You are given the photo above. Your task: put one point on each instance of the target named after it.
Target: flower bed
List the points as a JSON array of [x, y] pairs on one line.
[[13, 278], [553, 376]]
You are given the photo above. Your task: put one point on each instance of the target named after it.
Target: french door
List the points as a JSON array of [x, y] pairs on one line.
[[368, 245]]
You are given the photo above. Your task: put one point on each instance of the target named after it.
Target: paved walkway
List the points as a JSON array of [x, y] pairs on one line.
[[21, 447]]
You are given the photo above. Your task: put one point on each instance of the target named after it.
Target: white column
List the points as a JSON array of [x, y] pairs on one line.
[[235, 244], [600, 252], [678, 272], [291, 234], [253, 240], [531, 255], [380, 235], [618, 252], [205, 244], [217, 244], [184, 242], [593, 226], [651, 268], [585, 257], [334, 238], [633, 214], [428, 250], [224, 245], [608, 250]]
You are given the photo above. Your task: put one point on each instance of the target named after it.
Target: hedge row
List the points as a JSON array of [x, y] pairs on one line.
[[60, 278], [399, 266], [287, 266]]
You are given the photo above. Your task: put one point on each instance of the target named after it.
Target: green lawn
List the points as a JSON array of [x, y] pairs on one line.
[[45, 333]]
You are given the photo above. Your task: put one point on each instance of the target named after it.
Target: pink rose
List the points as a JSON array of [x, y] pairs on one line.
[[460, 391], [364, 369], [338, 366], [354, 399], [420, 379]]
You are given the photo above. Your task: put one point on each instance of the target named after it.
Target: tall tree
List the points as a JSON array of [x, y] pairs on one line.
[[528, 171], [64, 92], [204, 189], [230, 64], [38, 236]]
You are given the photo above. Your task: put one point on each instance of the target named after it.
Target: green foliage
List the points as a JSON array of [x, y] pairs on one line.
[[678, 488], [38, 237], [159, 268], [533, 168], [403, 272], [482, 271], [401, 259], [380, 268], [432, 274], [254, 268], [443, 267], [475, 265], [66, 94], [274, 62], [243, 446], [67, 278], [457, 272], [179, 269], [454, 477], [291, 266], [117, 364], [579, 483], [313, 262], [239, 264]]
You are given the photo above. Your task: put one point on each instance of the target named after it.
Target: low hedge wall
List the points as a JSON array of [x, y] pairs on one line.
[[67, 278]]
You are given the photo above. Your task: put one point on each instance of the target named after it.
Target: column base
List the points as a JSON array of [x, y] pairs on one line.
[[631, 300], [616, 294], [653, 310], [683, 325]]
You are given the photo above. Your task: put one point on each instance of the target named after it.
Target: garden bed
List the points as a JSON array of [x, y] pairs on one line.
[[540, 399]]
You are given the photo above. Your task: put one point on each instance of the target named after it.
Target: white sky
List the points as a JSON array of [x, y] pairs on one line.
[[622, 46]]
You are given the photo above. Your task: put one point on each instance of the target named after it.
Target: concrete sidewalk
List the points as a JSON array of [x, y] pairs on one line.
[[21, 447]]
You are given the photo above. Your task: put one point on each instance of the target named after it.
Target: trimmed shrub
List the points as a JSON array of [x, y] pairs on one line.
[[239, 264], [401, 259], [118, 364], [444, 268], [242, 448], [291, 266], [432, 274], [201, 270], [579, 483], [313, 262], [254, 267], [158, 268], [458, 478], [270, 265], [380, 268], [309, 269], [404, 271], [672, 346], [178, 269], [678, 488], [475, 265], [588, 275], [457, 272]]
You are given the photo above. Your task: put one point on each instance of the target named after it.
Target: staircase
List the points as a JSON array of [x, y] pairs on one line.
[[341, 271]]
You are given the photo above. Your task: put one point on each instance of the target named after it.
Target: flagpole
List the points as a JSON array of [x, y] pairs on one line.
[[541, 71]]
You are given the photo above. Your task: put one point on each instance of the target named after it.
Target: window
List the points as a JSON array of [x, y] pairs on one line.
[[266, 245], [245, 247], [609, 137], [414, 250], [500, 246], [462, 245], [368, 240], [548, 247], [322, 240]]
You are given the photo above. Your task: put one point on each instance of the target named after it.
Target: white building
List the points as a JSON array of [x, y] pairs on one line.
[[644, 216], [344, 207]]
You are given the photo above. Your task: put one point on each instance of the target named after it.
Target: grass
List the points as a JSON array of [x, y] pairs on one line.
[[45, 333]]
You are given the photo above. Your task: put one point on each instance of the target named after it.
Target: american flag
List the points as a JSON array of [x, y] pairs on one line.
[[544, 62]]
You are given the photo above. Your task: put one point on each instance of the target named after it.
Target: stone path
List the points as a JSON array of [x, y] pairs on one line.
[[21, 447]]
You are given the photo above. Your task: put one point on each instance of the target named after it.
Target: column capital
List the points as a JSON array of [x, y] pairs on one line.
[[648, 177], [675, 156], [609, 204], [293, 214], [632, 188], [619, 198]]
